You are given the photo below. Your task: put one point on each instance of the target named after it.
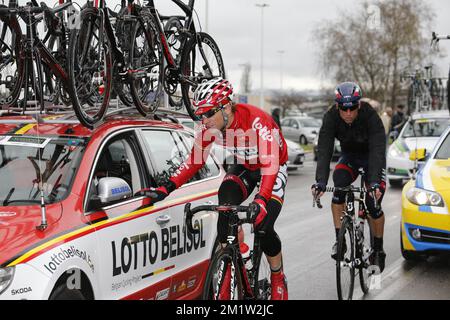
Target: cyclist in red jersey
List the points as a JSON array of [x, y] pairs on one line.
[[260, 157]]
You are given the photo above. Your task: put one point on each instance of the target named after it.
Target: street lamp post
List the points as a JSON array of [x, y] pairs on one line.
[[281, 52], [261, 94], [206, 16]]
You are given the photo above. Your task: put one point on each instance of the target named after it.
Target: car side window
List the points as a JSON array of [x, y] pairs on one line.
[[118, 159], [210, 169], [167, 153], [295, 124], [285, 123]]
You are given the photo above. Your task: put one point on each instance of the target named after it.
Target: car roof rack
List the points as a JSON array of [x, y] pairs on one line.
[[68, 116]]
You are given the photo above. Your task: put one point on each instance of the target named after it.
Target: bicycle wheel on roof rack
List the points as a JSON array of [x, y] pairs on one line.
[[12, 63], [201, 60], [146, 63], [90, 68]]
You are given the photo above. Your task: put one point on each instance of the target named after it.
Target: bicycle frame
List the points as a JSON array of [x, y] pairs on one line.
[[188, 25]]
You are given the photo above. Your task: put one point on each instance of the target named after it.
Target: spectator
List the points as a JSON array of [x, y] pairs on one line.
[[276, 117], [398, 120], [386, 118]]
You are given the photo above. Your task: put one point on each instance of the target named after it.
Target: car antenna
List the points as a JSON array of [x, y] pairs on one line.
[[40, 103]]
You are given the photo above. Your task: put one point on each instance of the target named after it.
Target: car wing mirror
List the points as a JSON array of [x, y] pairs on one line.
[[112, 189], [418, 155]]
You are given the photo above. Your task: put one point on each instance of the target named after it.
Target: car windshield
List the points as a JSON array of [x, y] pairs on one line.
[[426, 128], [444, 150], [26, 161], [310, 123]]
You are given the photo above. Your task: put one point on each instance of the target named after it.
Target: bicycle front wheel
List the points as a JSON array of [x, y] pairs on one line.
[[363, 253], [90, 68], [201, 60], [263, 287], [345, 268], [223, 279], [146, 64]]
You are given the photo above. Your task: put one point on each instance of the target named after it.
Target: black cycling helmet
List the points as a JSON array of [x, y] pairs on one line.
[[348, 95]]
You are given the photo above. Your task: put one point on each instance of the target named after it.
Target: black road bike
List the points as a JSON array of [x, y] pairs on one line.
[[354, 243], [25, 60], [189, 57], [110, 51], [247, 281]]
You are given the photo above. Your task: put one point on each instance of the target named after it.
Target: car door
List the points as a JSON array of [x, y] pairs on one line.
[[286, 128], [189, 253], [128, 236], [296, 130]]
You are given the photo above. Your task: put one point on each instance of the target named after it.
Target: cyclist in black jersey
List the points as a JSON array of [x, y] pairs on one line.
[[363, 141]]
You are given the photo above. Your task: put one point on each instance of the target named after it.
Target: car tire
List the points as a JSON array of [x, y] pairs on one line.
[[303, 141], [409, 255], [394, 183], [63, 293]]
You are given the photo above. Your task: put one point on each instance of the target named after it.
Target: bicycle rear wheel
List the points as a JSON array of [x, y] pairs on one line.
[[146, 64], [219, 286], [12, 63], [345, 270], [90, 68], [201, 60]]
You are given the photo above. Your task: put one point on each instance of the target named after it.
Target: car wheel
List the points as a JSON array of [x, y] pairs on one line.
[[396, 183], [63, 293], [303, 140], [409, 255]]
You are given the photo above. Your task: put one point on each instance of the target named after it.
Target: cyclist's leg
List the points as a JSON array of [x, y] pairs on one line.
[[376, 222], [344, 175], [235, 189], [270, 242]]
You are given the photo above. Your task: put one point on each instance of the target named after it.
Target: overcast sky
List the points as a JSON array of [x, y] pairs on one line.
[[288, 25]]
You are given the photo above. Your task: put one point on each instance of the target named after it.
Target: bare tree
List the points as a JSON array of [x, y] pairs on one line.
[[353, 50], [287, 100]]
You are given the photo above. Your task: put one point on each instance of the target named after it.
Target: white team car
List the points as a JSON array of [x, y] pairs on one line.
[[422, 131], [97, 237]]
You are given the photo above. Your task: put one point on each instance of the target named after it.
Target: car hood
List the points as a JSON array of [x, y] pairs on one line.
[[15, 222], [427, 143]]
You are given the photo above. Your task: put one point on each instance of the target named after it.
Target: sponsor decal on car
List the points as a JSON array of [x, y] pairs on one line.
[[21, 291], [64, 254], [140, 250], [163, 294]]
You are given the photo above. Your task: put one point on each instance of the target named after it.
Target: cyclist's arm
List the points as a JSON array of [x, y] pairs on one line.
[[325, 148], [269, 153], [196, 160], [377, 149]]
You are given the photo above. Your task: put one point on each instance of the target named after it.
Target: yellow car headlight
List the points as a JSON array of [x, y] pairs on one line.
[[422, 197]]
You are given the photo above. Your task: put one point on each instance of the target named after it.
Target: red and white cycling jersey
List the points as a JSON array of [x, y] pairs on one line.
[[255, 140]]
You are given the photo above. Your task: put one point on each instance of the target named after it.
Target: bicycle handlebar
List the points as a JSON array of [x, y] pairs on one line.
[[38, 11], [316, 200], [437, 37], [189, 213]]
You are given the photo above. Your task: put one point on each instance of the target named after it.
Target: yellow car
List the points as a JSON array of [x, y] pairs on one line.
[[425, 224]]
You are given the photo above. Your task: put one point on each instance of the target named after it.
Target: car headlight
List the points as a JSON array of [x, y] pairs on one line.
[[6, 277], [423, 197], [395, 152]]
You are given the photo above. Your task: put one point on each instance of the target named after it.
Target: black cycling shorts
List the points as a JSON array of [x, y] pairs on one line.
[[237, 186], [346, 172]]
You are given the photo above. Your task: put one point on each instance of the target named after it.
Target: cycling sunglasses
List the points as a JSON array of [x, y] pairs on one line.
[[210, 113], [351, 108]]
